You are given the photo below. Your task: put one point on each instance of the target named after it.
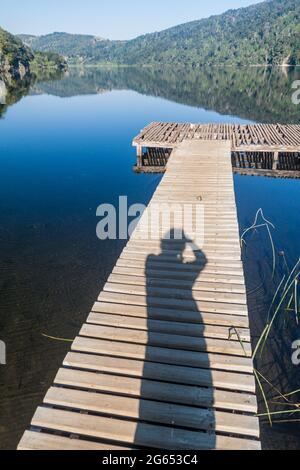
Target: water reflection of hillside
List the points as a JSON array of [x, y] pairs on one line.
[[13, 90], [259, 94]]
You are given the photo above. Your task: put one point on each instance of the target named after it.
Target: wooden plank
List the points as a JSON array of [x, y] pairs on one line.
[[166, 327], [140, 434], [171, 315], [173, 253], [207, 250], [44, 442], [184, 269], [176, 275], [176, 283], [211, 240], [219, 253], [170, 341], [163, 355], [160, 391], [176, 293], [153, 411], [226, 380], [198, 306], [231, 263]]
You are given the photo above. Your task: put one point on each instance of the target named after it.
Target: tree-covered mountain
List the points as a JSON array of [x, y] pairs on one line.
[[19, 68], [15, 57], [77, 45], [265, 33]]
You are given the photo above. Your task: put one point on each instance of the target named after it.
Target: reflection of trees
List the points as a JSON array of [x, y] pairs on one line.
[[13, 90], [17, 88], [259, 94]]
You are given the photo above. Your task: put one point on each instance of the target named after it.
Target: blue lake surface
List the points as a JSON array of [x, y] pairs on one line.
[[60, 158]]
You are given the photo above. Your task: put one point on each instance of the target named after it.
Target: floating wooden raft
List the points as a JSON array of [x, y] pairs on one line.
[[262, 137], [164, 359]]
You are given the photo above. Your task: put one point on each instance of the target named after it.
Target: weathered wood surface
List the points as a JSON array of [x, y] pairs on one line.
[[283, 174], [164, 359], [250, 137]]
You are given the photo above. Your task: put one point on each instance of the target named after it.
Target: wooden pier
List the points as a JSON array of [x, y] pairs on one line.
[[256, 149], [164, 360], [243, 138]]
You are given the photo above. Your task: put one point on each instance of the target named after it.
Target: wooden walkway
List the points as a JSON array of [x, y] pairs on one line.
[[253, 137], [164, 359]]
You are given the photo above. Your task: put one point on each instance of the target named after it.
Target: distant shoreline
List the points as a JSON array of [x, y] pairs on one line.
[[159, 66]]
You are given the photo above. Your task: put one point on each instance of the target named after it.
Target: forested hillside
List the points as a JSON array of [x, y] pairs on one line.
[[15, 57], [19, 68], [265, 33], [78, 45]]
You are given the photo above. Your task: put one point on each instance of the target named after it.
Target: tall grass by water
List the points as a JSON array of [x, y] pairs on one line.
[[283, 314]]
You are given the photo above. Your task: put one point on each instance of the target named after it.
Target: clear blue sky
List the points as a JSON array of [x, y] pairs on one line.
[[113, 19]]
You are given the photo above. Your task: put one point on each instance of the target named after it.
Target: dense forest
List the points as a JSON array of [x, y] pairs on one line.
[[17, 60], [19, 68], [15, 57], [265, 33]]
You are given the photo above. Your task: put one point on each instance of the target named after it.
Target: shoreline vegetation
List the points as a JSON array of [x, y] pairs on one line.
[[279, 395], [110, 65], [20, 68], [19, 65]]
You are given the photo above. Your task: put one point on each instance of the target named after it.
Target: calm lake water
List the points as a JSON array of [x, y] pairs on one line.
[[65, 148]]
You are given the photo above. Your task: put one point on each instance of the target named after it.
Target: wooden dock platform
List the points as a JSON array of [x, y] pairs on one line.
[[164, 359], [256, 149], [243, 138]]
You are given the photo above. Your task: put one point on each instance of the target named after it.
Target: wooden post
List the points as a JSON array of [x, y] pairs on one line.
[[276, 161]]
